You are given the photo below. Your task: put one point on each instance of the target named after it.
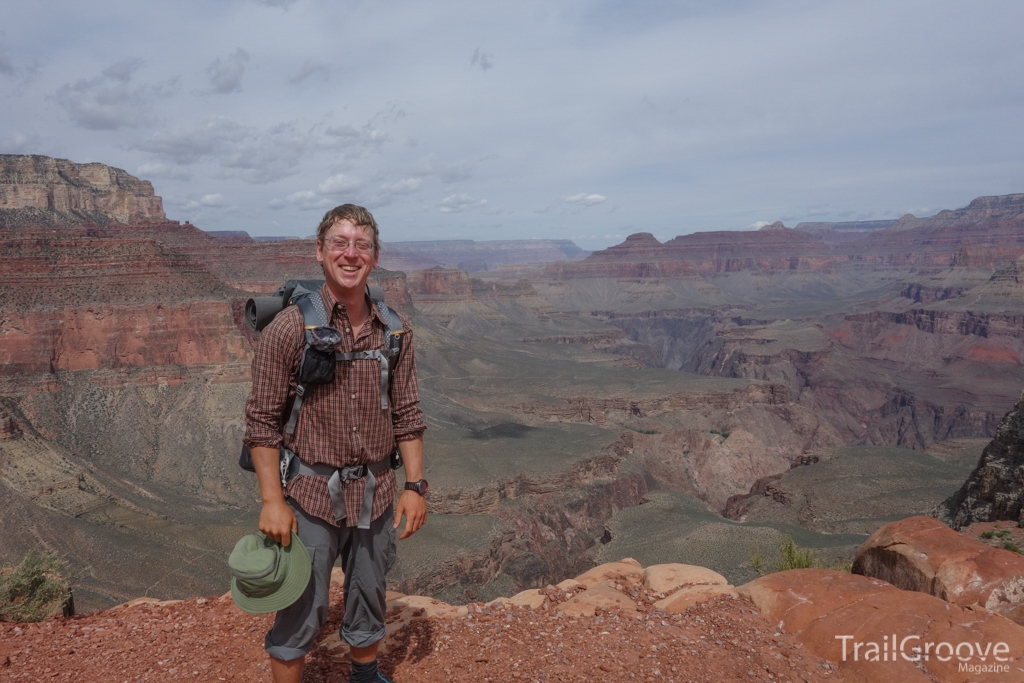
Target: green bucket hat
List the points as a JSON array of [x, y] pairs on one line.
[[266, 576]]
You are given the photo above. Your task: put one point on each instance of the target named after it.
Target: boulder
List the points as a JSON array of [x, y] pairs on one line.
[[626, 568], [856, 620], [532, 598], [664, 578], [600, 595], [923, 554], [691, 595], [569, 585]]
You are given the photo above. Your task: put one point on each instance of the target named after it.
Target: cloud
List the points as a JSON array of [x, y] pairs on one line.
[[210, 200], [123, 70], [339, 184], [757, 225], [584, 199], [457, 203], [271, 155], [6, 66], [348, 137], [158, 170], [19, 143], [482, 59], [304, 199], [389, 191], [188, 144], [255, 156], [308, 69], [108, 102], [226, 75], [449, 173], [407, 186]]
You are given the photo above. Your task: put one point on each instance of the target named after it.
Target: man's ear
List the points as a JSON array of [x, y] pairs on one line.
[[319, 251]]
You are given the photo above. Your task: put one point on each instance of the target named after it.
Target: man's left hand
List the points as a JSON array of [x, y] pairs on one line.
[[414, 507]]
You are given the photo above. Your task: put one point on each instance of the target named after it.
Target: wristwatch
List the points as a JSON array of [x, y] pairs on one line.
[[419, 487]]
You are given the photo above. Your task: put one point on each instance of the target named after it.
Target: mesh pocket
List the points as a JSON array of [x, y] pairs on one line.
[[318, 359]]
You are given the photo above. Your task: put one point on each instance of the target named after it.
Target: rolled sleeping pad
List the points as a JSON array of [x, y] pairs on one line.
[[260, 310]]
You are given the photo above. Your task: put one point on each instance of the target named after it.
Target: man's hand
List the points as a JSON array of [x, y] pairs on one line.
[[278, 522], [414, 507]]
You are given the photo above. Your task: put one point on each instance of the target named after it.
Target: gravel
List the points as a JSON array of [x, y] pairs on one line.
[[208, 639]]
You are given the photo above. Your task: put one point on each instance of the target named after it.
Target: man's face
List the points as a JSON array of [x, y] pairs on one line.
[[348, 268]]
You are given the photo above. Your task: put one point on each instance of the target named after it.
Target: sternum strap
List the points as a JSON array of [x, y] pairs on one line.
[[384, 369]]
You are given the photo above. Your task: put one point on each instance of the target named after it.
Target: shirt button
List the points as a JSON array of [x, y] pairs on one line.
[[353, 397], [348, 329], [353, 429]]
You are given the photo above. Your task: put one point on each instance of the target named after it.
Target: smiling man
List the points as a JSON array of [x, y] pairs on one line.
[[343, 438]]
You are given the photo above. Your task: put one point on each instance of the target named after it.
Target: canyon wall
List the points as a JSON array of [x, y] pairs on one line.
[[38, 182]]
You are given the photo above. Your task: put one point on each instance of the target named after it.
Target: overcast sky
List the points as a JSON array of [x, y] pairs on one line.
[[587, 120]]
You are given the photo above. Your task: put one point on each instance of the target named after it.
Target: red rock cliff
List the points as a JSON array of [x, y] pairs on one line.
[[38, 182]]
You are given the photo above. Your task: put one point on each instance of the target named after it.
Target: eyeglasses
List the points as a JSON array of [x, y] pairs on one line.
[[341, 244]]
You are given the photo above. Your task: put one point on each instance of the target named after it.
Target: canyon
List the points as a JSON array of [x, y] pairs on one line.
[[673, 402]]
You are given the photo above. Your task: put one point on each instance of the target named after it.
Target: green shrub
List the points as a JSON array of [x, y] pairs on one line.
[[34, 590], [792, 556], [993, 533], [1012, 547]]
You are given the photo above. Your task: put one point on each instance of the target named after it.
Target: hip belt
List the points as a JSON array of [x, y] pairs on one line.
[[292, 465]]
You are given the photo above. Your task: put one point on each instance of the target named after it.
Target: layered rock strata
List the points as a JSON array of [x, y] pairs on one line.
[[38, 182], [994, 490]]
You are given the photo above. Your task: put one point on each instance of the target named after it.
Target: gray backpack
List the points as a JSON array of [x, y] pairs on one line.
[[318, 352]]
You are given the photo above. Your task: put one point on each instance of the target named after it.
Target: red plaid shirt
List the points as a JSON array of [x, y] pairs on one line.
[[341, 423]]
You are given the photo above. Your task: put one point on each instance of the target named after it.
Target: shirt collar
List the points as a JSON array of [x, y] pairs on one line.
[[330, 301]]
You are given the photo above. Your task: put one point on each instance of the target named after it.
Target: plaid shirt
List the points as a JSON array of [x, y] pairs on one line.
[[341, 423]]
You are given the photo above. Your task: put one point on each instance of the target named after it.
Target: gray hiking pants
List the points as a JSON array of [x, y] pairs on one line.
[[367, 555]]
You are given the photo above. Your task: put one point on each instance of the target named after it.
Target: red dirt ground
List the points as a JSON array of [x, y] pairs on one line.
[[209, 639]]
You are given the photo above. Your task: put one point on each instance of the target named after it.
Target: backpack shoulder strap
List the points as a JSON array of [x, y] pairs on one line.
[[313, 316]]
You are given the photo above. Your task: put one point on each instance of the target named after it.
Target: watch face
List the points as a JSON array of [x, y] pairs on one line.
[[419, 487]]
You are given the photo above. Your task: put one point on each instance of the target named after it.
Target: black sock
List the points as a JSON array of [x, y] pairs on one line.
[[364, 673]]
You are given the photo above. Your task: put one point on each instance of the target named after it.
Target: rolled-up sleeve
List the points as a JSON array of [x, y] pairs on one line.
[[406, 415], [273, 369]]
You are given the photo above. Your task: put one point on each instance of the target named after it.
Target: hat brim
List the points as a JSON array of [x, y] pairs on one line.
[[297, 574]]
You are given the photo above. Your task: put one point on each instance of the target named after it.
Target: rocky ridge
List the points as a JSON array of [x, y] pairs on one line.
[[993, 492], [36, 182]]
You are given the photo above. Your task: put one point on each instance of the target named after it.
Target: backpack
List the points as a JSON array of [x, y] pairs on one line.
[[317, 363]]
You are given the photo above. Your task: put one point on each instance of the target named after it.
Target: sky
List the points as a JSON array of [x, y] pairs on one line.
[[586, 120]]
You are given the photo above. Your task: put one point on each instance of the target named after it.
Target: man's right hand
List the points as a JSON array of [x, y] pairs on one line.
[[278, 522]]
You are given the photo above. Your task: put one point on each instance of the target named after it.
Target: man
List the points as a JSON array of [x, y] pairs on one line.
[[341, 424]]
